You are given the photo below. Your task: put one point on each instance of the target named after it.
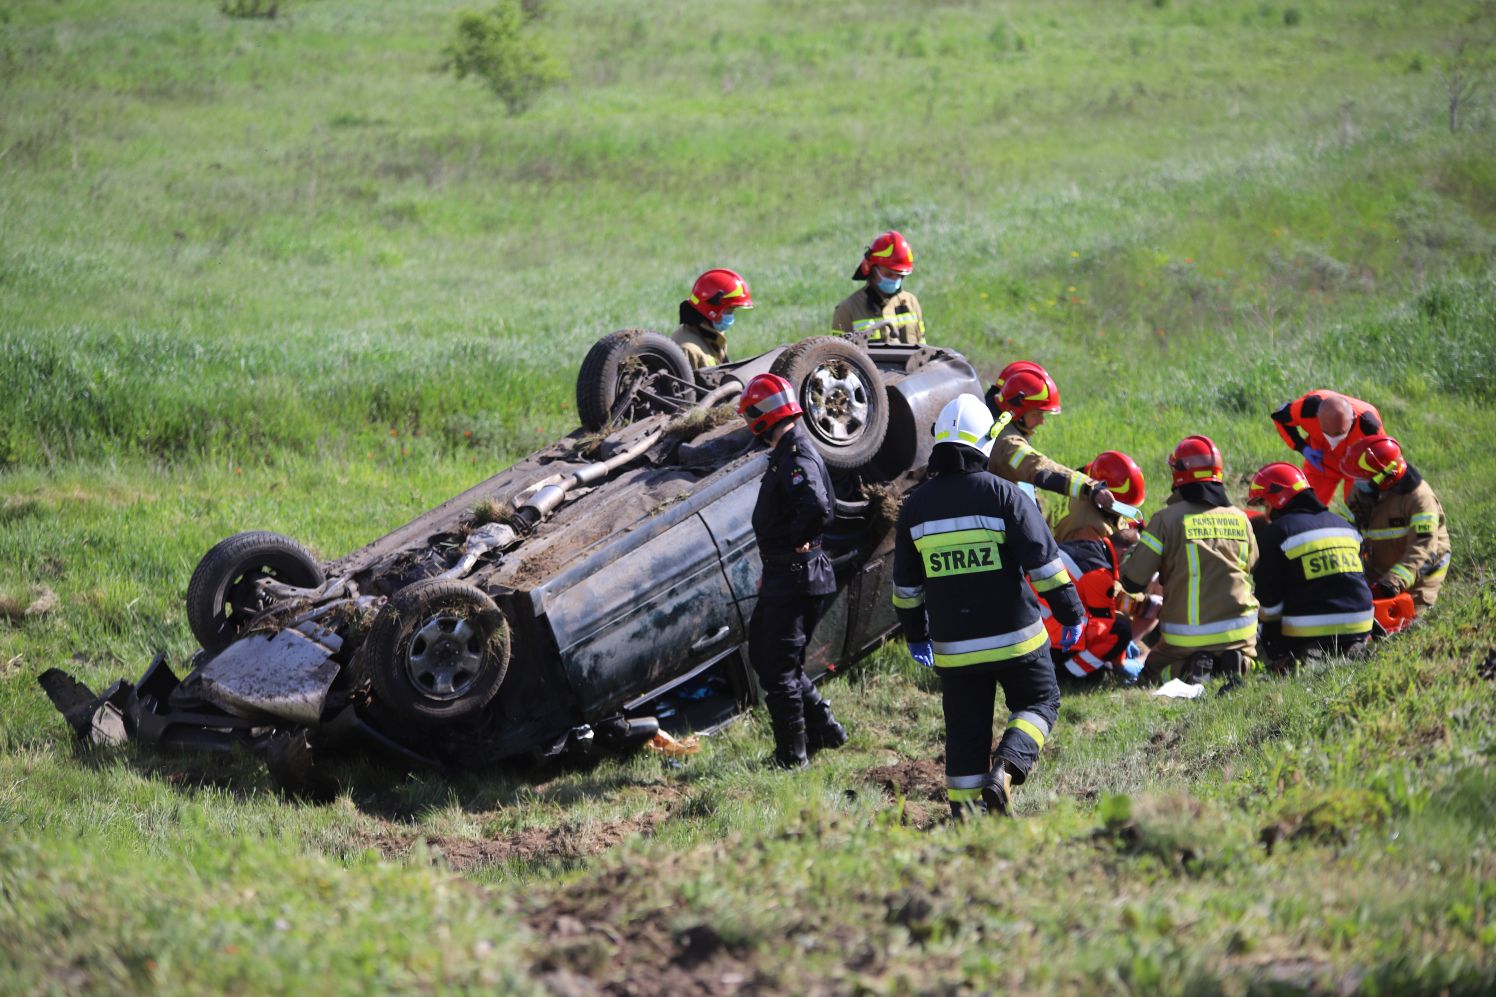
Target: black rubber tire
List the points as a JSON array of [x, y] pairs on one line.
[[843, 450], [230, 569], [396, 629], [608, 360]]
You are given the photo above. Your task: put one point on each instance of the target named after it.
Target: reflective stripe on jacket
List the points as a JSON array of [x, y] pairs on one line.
[[1309, 576], [1406, 537], [865, 308], [1015, 459]]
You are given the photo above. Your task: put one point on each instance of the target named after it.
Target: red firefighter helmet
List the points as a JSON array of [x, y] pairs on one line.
[[1029, 391], [891, 252], [995, 391], [718, 290], [1196, 458], [1378, 459], [1275, 485], [1122, 477], [767, 400]]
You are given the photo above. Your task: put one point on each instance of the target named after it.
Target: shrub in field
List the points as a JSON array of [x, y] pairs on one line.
[[502, 48], [264, 9]]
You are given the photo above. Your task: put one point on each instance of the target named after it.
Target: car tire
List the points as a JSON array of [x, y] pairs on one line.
[[610, 359], [842, 393], [218, 596], [438, 651]]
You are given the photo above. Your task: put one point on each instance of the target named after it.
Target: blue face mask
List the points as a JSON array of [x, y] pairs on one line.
[[1366, 487], [887, 287], [725, 322]]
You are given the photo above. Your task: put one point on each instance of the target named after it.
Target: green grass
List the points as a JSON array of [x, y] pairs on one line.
[[285, 275]]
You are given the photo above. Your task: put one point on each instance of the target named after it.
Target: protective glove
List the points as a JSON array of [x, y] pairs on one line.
[[1314, 458], [1102, 496], [1380, 590], [922, 651], [1070, 636]]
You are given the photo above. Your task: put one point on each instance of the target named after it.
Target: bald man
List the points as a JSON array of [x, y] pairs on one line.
[[1321, 426]]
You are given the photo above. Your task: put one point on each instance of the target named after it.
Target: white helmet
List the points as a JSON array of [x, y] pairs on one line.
[[966, 420]]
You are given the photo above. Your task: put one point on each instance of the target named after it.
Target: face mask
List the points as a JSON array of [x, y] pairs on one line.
[[1366, 487], [725, 322], [888, 287]]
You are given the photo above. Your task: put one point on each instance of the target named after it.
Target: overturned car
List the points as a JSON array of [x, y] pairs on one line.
[[593, 591]]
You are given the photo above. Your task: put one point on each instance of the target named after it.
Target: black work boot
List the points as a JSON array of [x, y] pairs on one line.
[[821, 728], [789, 749], [1232, 664], [1198, 668], [996, 791]]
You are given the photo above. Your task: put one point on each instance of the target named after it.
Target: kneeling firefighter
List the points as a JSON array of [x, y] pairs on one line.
[[965, 540], [1308, 579], [795, 505], [1399, 516]]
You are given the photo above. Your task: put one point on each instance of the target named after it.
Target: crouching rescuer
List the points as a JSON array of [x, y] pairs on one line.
[[964, 542], [795, 504]]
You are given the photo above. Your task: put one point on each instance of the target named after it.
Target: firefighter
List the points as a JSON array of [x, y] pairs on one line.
[[1085, 520], [1095, 566], [887, 312], [1203, 550], [708, 313], [1313, 594], [1400, 519], [1322, 426], [795, 504], [964, 542], [1023, 400]]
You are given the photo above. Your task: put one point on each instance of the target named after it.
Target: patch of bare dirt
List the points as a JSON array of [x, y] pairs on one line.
[[591, 945], [41, 602], [571, 840], [918, 785]]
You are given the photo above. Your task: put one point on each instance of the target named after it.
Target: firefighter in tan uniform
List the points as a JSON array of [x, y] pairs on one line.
[[1401, 521], [706, 316], [1085, 520], [1022, 400], [883, 309], [1203, 550]]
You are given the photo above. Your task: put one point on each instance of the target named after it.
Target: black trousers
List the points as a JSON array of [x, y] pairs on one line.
[[969, 695], [1301, 649], [781, 625]]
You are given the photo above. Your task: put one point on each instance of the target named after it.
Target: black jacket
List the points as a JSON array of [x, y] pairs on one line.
[[1308, 576], [965, 540], [796, 503]]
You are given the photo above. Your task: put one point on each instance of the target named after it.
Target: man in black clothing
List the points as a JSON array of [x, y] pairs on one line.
[[965, 540], [795, 504], [1309, 578]]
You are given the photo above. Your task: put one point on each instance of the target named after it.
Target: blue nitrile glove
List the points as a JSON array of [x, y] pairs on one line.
[[1070, 636], [923, 652], [1132, 662], [1314, 458]]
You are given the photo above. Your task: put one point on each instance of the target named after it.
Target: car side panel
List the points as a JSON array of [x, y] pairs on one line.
[[644, 617]]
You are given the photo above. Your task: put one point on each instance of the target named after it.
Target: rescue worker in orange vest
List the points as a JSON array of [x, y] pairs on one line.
[[796, 503], [1023, 400], [1203, 550], [1321, 426], [1400, 519], [964, 543], [883, 308], [1095, 566], [708, 313], [1313, 594], [1085, 520]]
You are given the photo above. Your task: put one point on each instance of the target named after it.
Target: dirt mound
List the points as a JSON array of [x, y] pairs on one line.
[[571, 840], [911, 778]]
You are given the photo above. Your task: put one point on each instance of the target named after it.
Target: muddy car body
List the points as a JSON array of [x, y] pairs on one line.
[[614, 573]]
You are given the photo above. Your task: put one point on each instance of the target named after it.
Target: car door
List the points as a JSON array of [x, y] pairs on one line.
[[645, 613]]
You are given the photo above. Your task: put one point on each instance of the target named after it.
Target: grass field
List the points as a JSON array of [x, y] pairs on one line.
[[285, 275]]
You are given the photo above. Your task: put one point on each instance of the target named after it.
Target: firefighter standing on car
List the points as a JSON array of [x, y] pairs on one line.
[[708, 313], [1322, 426], [1022, 401], [1086, 520], [1400, 519], [1313, 594], [964, 542], [1203, 550], [883, 308], [795, 504]]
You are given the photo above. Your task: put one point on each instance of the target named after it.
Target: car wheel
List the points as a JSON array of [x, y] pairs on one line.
[[614, 363], [222, 597], [846, 406], [438, 651]]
